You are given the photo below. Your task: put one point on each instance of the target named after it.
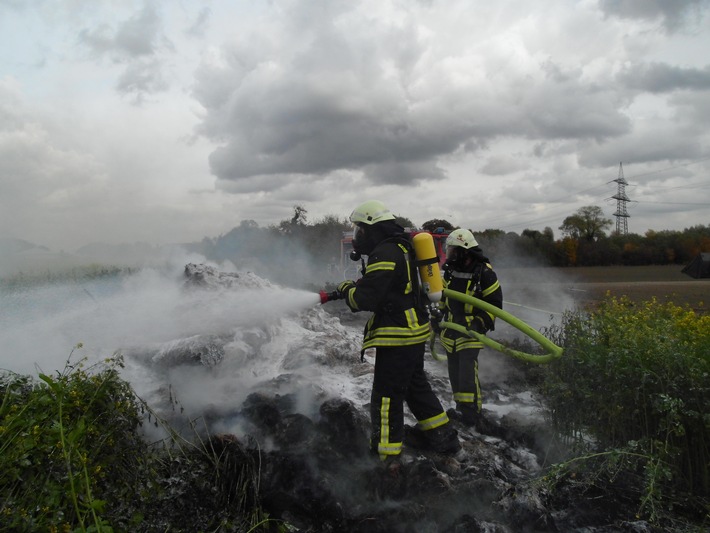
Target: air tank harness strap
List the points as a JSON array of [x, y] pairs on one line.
[[425, 262]]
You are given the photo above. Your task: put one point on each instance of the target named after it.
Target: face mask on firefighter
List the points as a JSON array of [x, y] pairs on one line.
[[357, 233], [455, 256], [361, 240]]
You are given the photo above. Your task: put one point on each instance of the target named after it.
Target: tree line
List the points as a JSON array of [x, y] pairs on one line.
[[584, 241]]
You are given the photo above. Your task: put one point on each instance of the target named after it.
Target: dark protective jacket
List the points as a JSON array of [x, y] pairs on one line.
[[479, 281], [390, 288]]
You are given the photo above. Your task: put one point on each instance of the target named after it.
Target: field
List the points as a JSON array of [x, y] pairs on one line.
[[590, 284]]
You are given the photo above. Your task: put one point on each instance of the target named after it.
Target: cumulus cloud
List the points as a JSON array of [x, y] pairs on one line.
[[142, 77], [501, 165], [40, 179], [315, 101], [137, 43], [134, 37], [693, 111], [672, 13], [199, 26], [662, 78], [653, 141], [382, 98]]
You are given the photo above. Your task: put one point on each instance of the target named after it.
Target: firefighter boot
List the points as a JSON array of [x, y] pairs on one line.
[[454, 414], [469, 414], [443, 439]]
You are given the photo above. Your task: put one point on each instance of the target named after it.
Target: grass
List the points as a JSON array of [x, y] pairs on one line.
[[20, 280]]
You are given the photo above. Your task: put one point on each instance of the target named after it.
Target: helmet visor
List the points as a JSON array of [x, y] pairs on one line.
[[357, 232], [451, 251]]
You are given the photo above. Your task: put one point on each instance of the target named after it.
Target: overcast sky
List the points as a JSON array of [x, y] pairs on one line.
[[167, 121]]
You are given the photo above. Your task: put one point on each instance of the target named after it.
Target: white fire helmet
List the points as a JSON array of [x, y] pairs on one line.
[[462, 238]]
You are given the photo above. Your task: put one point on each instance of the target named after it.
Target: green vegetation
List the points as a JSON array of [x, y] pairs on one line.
[[588, 223], [632, 392], [72, 459], [88, 272]]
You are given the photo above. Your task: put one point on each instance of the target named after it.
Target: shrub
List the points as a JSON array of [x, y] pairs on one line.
[[59, 440], [635, 379], [72, 459]]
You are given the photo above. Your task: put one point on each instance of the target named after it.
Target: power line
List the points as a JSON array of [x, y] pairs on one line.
[[691, 186], [582, 191], [671, 168], [555, 201], [538, 221], [671, 203]]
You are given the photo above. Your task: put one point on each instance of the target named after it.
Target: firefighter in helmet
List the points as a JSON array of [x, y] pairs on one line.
[[469, 272], [398, 330]]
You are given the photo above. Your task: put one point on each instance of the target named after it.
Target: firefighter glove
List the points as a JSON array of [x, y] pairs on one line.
[[436, 316], [345, 287], [478, 326]]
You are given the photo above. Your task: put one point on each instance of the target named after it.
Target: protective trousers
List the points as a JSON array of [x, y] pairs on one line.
[[399, 378], [463, 375]]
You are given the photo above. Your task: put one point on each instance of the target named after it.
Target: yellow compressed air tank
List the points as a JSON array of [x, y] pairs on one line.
[[428, 264]]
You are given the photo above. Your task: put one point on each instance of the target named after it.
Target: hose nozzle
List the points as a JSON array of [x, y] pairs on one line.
[[329, 296]]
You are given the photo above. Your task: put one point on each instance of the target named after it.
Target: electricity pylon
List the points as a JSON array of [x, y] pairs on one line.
[[622, 216]]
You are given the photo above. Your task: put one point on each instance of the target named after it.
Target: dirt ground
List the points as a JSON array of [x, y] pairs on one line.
[[590, 284]]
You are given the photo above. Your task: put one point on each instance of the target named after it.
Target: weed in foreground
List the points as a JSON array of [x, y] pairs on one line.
[[72, 459]]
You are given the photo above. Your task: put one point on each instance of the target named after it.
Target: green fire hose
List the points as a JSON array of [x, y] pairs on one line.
[[552, 350]]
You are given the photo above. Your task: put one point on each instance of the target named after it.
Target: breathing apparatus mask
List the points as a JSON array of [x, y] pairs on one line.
[[456, 257], [362, 244]]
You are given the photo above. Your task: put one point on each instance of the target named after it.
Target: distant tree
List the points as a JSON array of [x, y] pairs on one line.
[[568, 247], [404, 222], [537, 244], [435, 223], [587, 223], [601, 252], [297, 220], [532, 234], [334, 220], [245, 240], [630, 249], [548, 234], [299, 215], [248, 224], [489, 233], [322, 239], [205, 247], [680, 247], [489, 239]]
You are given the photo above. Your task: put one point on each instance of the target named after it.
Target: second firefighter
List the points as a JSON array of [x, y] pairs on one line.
[[469, 272]]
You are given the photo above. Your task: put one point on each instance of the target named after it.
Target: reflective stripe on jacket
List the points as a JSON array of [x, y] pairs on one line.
[[481, 283], [390, 288]]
